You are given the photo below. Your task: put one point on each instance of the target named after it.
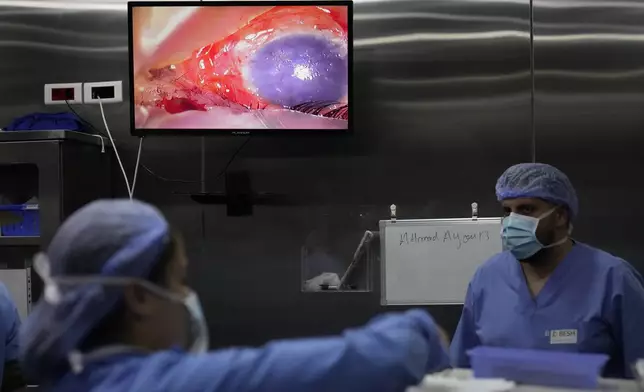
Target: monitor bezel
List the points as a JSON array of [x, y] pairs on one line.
[[141, 132]]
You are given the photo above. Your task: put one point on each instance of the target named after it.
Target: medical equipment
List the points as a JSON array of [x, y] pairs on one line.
[[267, 67]]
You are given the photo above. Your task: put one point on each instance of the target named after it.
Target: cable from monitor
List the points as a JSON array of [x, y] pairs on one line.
[[130, 189], [139, 153]]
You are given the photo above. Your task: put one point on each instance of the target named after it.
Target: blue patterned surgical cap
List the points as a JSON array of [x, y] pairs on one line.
[[538, 180]]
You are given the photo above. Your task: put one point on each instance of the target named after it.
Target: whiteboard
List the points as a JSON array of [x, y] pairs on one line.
[[431, 261], [18, 282]]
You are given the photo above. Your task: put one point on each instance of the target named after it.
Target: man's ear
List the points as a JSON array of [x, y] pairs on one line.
[[140, 301], [563, 217]]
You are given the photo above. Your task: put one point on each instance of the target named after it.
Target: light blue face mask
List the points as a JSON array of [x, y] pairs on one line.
[[520, 238]]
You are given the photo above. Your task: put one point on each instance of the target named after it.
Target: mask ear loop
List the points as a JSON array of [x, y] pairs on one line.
[[563, 240], [75, 359], [53, 296], [43, 269]]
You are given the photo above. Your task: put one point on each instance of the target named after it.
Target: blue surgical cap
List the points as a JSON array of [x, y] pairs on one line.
[[106, 238], [538, 180]]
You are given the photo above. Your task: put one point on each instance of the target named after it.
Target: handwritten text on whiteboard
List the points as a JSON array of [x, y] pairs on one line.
[[457, 238]]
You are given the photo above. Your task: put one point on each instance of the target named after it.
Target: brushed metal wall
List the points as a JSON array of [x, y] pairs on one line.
[[443, 106], [589, 112]]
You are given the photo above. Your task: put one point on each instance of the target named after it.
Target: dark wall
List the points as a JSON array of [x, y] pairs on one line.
[[443, 105]]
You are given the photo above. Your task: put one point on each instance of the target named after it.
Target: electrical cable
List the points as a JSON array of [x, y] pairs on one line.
[[136, 167], [166, 179], [98, 131], [232, 159], [116, 152], [139, 153], [84, 121]]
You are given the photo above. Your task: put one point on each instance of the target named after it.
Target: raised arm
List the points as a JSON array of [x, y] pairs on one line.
[[389, 354]]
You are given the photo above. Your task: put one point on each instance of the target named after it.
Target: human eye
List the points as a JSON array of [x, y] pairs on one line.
[[284, 68]]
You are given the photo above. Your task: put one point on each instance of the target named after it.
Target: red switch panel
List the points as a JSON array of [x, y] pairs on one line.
[[62, 94]]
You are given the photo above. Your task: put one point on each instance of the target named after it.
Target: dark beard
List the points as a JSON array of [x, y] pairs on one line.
[[542, 256], [539, 258]]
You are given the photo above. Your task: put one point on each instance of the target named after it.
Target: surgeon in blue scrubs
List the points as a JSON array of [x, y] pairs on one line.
[[547, 291], [117, 315]]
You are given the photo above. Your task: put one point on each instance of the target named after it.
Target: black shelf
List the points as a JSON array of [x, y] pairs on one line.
[[19, 241], [72, 170], [53, 135]]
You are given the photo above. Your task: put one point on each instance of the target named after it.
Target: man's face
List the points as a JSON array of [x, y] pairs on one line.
[[549, 226]]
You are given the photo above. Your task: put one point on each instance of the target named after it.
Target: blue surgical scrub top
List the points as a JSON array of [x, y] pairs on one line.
[[592, 303], [389, 354], [9, 327]]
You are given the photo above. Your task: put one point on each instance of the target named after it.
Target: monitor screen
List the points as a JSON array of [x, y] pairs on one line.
[[238, 67]]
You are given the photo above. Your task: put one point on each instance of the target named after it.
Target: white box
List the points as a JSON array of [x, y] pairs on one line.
[[78, 93], [118, 92]]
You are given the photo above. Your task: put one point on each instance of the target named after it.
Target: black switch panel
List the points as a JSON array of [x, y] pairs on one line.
[[103, 92]]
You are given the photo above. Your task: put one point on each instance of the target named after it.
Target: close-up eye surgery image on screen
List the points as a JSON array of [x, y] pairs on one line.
[[252, 65]]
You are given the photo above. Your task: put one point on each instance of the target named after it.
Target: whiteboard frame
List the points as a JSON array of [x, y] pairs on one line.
[[383, 224], [18, 282]]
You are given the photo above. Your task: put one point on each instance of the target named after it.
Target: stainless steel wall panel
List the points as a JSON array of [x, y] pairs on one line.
[[442, 104], [589, 95]]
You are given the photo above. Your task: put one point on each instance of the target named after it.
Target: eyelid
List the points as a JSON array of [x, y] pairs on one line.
[[197, 29], [159, 32]]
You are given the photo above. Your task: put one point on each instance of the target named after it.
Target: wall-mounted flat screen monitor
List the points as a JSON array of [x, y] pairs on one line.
[[240, 67]]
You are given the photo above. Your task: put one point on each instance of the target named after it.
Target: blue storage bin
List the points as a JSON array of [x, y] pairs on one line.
[[536, 367], [29, 224]]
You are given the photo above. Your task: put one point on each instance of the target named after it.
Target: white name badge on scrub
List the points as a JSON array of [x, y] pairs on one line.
[[563, 336]]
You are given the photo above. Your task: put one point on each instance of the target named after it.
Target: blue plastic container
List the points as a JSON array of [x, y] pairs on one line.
[[536, 367], [29, 224]]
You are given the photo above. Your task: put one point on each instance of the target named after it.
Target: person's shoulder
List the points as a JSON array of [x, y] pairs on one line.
[[602, 259], [606, 263]]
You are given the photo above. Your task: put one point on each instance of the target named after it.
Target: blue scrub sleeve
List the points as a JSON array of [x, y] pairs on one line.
[[465, 337], [10, 324], [11, 337], [628, 315], [389, 354]]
